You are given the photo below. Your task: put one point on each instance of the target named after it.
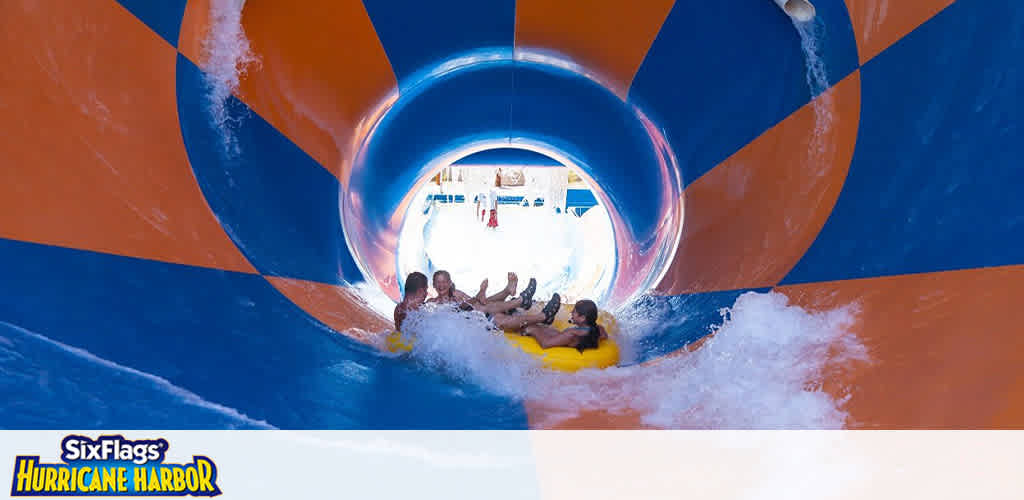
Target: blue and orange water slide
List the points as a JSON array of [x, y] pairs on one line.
[[154, 257]]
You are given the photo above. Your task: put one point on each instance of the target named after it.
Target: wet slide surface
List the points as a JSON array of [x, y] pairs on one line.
[[176, 254]]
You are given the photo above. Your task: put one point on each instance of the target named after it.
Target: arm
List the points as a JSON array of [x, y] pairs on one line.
[[604, 333], [565, 338], [399, 317]]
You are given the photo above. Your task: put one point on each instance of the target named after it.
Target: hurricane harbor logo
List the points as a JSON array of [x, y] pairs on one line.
[[113, 466]]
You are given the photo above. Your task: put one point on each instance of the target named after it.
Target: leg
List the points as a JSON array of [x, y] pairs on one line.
[[481, 295], [517, 322], [499, 307], [510, 289]]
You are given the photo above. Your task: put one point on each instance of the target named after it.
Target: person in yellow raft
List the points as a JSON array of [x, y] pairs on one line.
[[588, 343], [501, 313], [584, 334]]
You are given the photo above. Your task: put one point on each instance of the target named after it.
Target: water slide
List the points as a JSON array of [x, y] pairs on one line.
[[200, 205]]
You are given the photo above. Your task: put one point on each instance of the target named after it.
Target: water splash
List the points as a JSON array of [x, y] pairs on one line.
[[764, 367], [227, 56], [461, 345]]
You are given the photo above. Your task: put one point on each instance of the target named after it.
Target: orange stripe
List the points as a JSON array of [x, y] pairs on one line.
[[92, 145], [879, 24], [749, 220], [946, 352], [541, 416], [195, 24], [336, 307], [947, 348], [609, 37], [322, 71]]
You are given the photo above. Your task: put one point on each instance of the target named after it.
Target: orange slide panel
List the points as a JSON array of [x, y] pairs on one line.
[[945, 348], [877, 24], [337, 307], [321, 73], [610, 37], [750, 219], [95, 158]]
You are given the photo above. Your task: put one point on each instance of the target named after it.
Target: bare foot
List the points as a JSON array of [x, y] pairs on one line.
[[513, 283], [481, 296]]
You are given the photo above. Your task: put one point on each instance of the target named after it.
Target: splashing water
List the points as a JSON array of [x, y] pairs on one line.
[[461, 345], [817, 82], [763, 367], [227, 56]]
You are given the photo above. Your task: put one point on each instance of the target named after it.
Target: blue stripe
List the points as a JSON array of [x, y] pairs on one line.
[[229, 337], [580, 198], [508, 156], [419, 34], [162, 16], [719, 74], [278, 204], [936, 178], [593, 128]]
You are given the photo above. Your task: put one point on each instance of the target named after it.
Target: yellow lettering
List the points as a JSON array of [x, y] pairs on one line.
[[63, 477], [24, 476], [122, 479], [51, 479], [179, 479], [81, 478], [139, 478], [110, 479], [96, 484], [192, 479], [165, 479], [205, 474], [38, 476], [154, 480]]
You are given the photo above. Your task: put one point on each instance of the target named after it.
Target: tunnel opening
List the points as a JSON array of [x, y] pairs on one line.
[[506, 210]]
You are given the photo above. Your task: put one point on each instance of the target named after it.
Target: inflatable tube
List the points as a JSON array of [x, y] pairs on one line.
[[566, 359]]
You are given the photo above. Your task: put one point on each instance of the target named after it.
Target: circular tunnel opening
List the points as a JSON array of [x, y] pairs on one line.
[[514, 100], [506, 210]]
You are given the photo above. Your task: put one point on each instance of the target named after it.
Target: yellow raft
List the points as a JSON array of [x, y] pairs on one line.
[[566, 359]]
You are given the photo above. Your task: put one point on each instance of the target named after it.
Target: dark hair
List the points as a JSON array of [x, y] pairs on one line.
[[451, 289], [588, 309], [415, 282]]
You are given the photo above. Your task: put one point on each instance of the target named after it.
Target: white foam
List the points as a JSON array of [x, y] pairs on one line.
[[763, 368], [374, 297], [227, 56], [461, 345]]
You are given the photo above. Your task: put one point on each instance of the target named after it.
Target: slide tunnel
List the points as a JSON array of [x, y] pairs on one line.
[[202, 201]]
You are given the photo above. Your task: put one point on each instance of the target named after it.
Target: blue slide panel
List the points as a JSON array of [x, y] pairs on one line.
[[228, 337], [928, 191], [420, 34], [162, 16], [719, 74], [278, 204]]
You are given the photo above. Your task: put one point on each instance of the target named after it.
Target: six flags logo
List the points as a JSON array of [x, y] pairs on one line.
[[113, 466]]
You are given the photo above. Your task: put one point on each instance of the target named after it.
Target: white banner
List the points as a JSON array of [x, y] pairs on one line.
[[552, 465]]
